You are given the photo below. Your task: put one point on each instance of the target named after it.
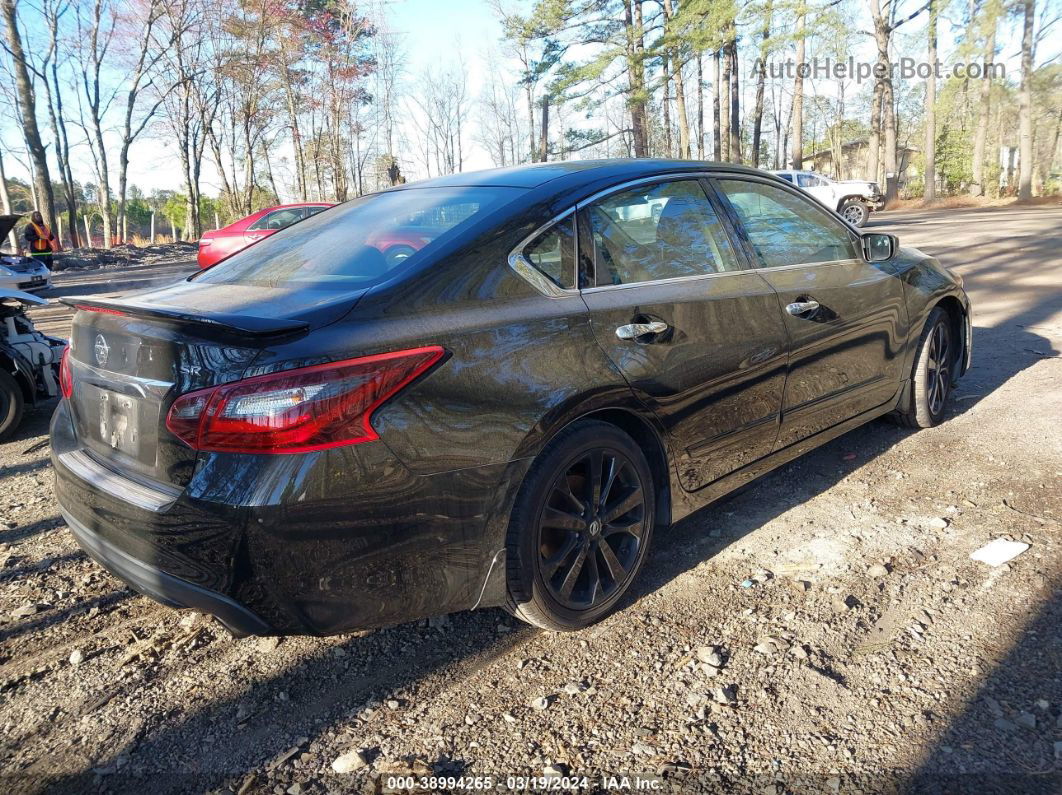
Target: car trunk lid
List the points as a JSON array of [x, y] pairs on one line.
[[132, 356]]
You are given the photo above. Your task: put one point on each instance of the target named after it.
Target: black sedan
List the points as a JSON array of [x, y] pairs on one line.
[[309, 438]]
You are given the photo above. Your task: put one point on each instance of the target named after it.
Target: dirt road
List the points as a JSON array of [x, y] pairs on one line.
[[870, 653]]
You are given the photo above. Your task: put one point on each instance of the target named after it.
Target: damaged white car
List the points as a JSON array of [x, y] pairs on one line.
[[18, 272], [29, 360]]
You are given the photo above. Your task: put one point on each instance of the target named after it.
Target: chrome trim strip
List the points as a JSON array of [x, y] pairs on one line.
[[641, 181], [532, 275], [109, 379], [118, 486]]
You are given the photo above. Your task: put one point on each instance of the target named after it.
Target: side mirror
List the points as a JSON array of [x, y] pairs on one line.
[[879, 247]]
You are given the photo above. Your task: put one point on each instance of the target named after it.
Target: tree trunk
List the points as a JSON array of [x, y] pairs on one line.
[[798, 93], [543, 143], [27, 101], [1025, 131], [635, 53], [930, 192], [717, 151], [761, 79], [735, 100], [977, 186], [666, 74], [874, 140], [680, 92], [700, 107], [5, 199], [724, 105]]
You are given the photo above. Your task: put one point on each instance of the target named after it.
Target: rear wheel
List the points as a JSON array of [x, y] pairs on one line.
[[934, 373], [855, 212], [11, 405], [580, 528]]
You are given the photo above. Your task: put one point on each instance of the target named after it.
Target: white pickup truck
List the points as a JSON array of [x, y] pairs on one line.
[[852, 198]]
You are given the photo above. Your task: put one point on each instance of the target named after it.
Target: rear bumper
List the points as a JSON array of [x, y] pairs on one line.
[[165, 588], [292, 545]]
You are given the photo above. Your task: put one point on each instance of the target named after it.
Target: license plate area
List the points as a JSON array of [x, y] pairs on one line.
[[119, 425]]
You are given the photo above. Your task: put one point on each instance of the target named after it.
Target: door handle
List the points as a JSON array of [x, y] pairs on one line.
[[799, 308], [634, 330]]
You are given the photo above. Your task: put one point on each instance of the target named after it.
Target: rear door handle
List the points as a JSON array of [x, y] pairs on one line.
[[634, 330], [800, 308]]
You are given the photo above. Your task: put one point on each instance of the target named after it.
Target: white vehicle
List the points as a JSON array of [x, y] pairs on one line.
[[29, 360], [853, 199], [21, 273]]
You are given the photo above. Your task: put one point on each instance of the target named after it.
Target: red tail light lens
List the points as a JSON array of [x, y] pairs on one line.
[[297, 411], [66, 379]]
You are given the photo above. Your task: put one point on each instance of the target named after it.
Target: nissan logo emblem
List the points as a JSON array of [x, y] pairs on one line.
[[102, 350]]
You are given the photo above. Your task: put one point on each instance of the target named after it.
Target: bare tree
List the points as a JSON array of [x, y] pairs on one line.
[[95, 36], [27, 106]]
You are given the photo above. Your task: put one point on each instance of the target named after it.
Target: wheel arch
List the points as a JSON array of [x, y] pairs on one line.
[[652, 445], [841, 201], [958, 321]]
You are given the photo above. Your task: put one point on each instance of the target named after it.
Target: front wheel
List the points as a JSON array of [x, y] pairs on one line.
[[933, 375], [580, 528], [856, 212]]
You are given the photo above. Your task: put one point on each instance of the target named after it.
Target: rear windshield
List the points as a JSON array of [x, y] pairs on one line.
[[361, 242]]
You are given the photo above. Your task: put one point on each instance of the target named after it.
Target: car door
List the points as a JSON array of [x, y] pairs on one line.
[[695, 332], [846, 317]]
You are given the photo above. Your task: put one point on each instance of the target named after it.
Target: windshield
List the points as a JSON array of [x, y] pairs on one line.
[[361, 242]]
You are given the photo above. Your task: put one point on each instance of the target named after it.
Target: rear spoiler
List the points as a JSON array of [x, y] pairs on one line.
[[211, 323]]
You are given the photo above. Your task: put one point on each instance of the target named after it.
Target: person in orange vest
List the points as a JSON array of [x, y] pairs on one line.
[[39, 239]]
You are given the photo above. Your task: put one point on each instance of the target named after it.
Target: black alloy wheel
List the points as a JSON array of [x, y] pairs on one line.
[[938, 368], [590, 529], [936, 360], [581, 527]]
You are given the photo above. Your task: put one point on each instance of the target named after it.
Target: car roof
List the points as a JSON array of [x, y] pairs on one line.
[[572, 172]]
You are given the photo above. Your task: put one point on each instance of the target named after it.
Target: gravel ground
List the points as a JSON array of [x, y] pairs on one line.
[[824, 630]]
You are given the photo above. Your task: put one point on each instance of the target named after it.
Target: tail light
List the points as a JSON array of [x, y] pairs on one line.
[[66, 379], [297, 411]]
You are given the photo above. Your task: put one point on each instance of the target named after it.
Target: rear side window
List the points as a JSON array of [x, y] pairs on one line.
[[361, 242], [785, 229], [278, 219], [552, 253], [787, 177], [661, 231]]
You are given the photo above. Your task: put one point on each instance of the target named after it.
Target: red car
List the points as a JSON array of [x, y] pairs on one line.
[[218, 244]]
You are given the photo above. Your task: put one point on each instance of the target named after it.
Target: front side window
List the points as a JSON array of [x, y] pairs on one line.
[[661, 231], [350, 246], [785, 229], [552, 253]]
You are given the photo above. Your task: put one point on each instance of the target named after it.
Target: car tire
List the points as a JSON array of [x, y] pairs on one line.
[[856, 212], [933, 374], [567, 569], [12, 405]]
